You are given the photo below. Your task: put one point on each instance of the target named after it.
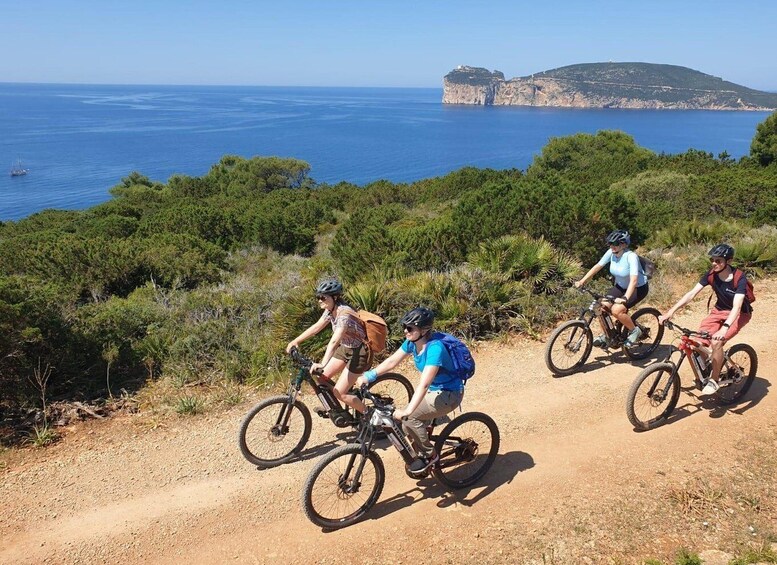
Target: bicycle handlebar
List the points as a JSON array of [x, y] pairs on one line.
[[303, 361], [686, 331], [596, 295]]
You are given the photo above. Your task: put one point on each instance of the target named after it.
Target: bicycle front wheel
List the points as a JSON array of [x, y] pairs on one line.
[[647, 320], [568, 348], [740, 367], [653, 396], [343, 486], [467, 447], [274, 431]]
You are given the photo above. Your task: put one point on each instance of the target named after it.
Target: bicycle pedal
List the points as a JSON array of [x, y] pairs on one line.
[[321, 412]]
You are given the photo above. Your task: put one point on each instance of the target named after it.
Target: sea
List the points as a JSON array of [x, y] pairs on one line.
[[77, 141]]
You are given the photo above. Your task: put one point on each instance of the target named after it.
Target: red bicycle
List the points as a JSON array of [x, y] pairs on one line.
[[655, 391]]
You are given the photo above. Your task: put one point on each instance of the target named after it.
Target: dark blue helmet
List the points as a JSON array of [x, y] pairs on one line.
[[420, 317], [617, 237]]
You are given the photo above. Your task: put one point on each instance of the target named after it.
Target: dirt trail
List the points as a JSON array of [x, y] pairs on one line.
[[574, 483]]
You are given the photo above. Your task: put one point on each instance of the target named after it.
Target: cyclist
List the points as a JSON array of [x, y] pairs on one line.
[[347, 352], [439, 391], [729, 315], [631, 284]]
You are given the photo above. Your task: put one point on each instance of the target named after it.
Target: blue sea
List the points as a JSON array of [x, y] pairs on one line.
[[79, 140]]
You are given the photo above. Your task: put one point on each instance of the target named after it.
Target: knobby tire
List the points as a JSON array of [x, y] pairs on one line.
[[653, 396], [467, 447], [325, 497], [263, 443]]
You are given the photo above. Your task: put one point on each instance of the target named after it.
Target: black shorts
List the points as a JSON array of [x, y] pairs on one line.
[[618, 292]]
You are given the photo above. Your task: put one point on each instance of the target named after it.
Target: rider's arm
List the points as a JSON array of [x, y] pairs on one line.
[[312, 330], [392, 361], [334, 341], [690, 295], [739, 299], [631, 289], [427, 376], [591, 272]]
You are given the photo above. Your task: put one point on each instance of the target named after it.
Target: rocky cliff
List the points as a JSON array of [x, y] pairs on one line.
[[604, 85]]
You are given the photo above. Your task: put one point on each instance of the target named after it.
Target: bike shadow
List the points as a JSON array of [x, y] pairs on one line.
[[505, 468], [604, 358], [758, 391]]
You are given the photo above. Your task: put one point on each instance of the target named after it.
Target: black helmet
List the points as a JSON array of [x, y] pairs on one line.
[[330, 287], [617, 237], [420, 317], [722, 250]]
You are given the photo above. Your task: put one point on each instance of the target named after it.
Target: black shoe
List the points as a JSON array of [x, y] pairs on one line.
[[422, 464]]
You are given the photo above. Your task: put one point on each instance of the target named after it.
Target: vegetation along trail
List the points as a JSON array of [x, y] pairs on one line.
[[573, 483]]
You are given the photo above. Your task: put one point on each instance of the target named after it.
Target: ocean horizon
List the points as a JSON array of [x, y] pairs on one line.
[[79, 140]]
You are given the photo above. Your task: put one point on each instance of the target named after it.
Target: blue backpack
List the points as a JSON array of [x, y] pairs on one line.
[[463, 363]]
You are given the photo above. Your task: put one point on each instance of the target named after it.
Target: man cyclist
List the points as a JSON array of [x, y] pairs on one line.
[[729, 315], [631, 284], [439, 391], [347, 352]]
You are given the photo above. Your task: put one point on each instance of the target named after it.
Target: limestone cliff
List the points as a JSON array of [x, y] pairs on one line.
[[604, 85]]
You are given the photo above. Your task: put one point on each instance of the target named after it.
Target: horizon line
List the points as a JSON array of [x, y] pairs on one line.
[[34, 83]]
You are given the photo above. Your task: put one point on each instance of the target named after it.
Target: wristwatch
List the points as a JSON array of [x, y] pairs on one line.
[[726, 325]]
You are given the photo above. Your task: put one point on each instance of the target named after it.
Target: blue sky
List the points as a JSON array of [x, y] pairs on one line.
[[373, 43]]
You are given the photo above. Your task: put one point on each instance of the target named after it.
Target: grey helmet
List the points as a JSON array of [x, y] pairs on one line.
[[330, 287], [617, 237], [722, 250], [420, 317]]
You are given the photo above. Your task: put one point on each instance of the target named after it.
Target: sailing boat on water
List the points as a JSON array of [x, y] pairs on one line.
[[17, 170]]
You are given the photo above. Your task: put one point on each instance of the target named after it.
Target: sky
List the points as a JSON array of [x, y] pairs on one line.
[[394, 43]]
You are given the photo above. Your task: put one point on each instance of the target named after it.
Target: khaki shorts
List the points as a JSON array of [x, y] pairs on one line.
[[357, 360]]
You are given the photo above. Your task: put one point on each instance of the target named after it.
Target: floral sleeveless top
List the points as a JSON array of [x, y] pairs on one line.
[[347, 318]]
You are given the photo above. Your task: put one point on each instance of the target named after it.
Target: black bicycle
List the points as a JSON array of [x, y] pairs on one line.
[[347, 482], [278, 428], [570, 344], [654, 394]]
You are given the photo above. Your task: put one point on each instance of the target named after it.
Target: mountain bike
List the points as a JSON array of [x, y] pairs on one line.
[[655, 391], [570, 344], [347, 482], [278, 428]]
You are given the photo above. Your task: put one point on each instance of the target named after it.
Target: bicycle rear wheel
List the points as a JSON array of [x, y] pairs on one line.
[[274, 431], [653, 396], [740, 366], [467, 447], [343, 486], [568, 348], [652, 332]]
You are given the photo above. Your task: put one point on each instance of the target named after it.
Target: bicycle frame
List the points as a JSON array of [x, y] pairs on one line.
[[612, 328], [334, 410]]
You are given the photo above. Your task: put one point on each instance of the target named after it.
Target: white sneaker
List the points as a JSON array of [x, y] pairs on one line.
[[710, 388]]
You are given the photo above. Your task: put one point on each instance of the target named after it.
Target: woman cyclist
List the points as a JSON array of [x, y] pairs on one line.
[[439, 391], [631, 284], [347, 352]]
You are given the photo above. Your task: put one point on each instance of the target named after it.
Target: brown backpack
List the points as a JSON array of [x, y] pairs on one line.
[[376, 329]]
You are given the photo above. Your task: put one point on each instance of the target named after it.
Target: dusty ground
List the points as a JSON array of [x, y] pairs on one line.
[[573, 483]]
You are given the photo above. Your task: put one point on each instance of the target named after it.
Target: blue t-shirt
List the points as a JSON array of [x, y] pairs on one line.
[[624, 267], [436, 355]]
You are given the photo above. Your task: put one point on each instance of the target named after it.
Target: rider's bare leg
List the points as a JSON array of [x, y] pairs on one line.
[[344, 384], [621, 313]]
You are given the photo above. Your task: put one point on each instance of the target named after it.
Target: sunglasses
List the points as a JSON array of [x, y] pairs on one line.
[[321, 296], [717, 260], [409, 328]]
